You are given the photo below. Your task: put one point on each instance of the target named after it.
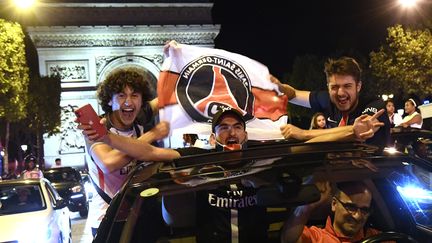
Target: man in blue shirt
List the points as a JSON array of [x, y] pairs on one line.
[[341, 103]]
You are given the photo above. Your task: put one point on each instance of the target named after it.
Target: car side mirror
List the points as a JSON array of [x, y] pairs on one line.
[[60, 203], [85, 179]]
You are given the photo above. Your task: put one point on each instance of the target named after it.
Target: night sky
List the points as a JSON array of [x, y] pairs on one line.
[[274, 32]]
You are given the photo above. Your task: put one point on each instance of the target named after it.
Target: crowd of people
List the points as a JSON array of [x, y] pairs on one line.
[[341, 114], [124, 94], [412, 116]]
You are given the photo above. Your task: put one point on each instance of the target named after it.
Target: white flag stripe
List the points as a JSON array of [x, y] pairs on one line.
[[241, 76]]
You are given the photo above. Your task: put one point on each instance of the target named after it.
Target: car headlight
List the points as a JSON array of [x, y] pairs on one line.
[[76, 189]]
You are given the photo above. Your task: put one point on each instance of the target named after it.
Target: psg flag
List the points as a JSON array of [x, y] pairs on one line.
[[195, 82]]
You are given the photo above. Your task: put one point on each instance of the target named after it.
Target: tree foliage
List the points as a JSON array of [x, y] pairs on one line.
[[43, 108], [43, 105], [307, 74], [14, 76], [404, 63]]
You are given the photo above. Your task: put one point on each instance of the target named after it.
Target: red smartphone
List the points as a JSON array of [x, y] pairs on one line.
[[87, 115]]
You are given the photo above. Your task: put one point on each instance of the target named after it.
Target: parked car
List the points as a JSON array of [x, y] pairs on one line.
[[32, 211], [68, 182], [277, 170]]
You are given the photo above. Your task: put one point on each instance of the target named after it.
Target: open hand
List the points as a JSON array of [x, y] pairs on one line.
[[365, 125], [90, 133]]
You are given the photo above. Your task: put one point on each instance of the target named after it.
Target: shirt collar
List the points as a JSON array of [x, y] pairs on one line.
[[329, 228]]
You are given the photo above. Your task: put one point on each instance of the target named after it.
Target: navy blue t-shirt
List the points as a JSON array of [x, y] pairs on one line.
[[228, 212], [320, 102]]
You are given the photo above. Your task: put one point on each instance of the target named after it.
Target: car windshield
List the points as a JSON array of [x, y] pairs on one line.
[[20, 199], [56, 176]]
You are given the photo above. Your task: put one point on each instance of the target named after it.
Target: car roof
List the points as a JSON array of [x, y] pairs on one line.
[[59, 169], [23, 181], [270, 161]]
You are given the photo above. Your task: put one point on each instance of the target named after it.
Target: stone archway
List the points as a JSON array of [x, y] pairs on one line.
[[96, 51]]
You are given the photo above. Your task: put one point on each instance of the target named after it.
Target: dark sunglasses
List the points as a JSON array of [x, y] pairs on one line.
[[352, 208]]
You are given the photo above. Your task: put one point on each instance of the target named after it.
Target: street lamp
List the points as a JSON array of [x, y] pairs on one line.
[[385, 97], [408, 3], [24, 147], [24, 4]]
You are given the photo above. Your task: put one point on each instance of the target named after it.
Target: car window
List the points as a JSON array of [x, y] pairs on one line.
[[52, 193], [61, 176], [20, 198]]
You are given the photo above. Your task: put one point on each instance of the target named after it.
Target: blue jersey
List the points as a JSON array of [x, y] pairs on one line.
[[320, 102]]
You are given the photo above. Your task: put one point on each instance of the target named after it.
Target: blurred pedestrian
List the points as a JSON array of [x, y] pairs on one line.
[[31, 170], [394, 117], [413, 117], [318, 121], [57, 163], [189, 139]]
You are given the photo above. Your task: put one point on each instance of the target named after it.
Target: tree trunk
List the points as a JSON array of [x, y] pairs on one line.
[[6, 154], [39, 149]]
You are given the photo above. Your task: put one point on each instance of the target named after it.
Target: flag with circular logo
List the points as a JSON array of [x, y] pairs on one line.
[[195, 82]]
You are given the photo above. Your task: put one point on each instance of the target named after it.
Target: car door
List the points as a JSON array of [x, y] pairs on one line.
[[60, 218]]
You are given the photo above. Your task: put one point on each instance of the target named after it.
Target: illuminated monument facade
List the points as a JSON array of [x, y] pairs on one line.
[[83, 43]]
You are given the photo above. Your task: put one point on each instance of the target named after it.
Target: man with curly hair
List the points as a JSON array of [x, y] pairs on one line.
[[122, 95]]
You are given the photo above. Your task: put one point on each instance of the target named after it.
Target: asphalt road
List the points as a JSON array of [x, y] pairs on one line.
[[81, 232]]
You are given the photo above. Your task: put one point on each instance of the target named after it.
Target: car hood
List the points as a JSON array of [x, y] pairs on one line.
[[25, 227]]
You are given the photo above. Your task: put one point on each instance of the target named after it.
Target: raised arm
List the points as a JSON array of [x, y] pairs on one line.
[[364, 127], [140, 149], [293, 227], [417, 119], [113, 152], [298, 97]]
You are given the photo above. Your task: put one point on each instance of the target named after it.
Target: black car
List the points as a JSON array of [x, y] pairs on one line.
[[68, 182], [401, 187]]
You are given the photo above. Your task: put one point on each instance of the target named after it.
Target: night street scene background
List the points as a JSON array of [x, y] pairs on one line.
[[292, 38]]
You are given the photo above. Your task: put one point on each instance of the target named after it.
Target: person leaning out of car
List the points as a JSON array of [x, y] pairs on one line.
[[351, 207], [341, 103]]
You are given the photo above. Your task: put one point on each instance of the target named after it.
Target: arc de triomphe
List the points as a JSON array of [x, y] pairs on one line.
[[84, 54]]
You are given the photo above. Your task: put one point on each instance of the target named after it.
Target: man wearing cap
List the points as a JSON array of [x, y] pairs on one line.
[[218, 220], [31, 170]]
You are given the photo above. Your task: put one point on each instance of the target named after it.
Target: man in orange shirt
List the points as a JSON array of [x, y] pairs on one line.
[[351, 208]]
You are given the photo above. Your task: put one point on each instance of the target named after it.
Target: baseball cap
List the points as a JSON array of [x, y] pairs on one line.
[[30, 158], [226, 111]]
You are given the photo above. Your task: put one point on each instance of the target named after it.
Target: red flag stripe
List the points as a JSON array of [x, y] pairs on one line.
[[166, 86], [268, 104]]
